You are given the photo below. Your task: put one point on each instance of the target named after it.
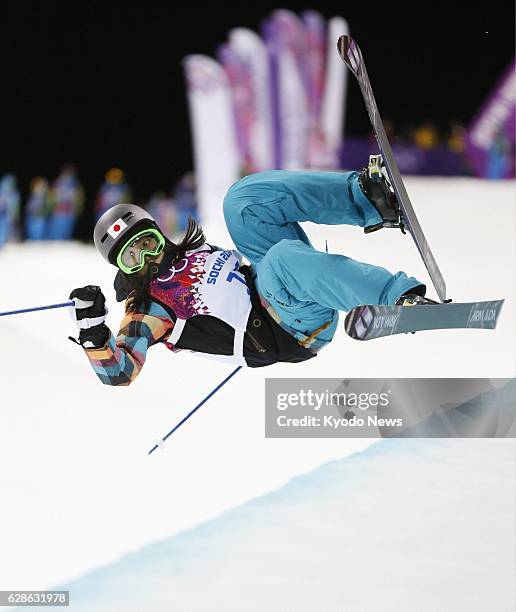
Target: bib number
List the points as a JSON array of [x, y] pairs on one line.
[[238, 276]]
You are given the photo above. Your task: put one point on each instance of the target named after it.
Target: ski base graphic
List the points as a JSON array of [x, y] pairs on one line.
[[376, 321]]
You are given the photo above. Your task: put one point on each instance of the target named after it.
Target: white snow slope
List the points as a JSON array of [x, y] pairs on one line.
[[77, 490], [405, 525]]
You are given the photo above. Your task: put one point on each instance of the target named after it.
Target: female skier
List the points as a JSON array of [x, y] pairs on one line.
[[196, 296]]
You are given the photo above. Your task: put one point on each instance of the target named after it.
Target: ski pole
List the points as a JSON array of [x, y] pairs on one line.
[[160, 443], [13, 312]]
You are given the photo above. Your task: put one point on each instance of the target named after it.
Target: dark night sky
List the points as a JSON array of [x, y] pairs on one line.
[[100, 83]]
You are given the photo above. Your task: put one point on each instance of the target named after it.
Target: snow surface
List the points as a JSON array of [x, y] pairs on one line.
[[406, 525], [77, 488]]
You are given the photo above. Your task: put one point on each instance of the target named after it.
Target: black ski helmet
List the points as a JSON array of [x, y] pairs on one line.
[[116, 226]]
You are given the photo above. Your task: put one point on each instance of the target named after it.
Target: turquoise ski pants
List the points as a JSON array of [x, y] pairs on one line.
[[304, 287]]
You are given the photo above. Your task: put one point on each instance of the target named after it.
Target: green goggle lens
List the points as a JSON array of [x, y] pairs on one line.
[[147, 243]]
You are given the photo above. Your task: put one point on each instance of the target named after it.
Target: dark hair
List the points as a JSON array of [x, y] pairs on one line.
[[136, 285]]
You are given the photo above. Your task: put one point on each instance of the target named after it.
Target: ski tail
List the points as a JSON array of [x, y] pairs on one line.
[[376, 321], [358, 322]]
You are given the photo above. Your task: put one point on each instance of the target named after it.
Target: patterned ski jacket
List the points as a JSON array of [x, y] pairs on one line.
[[206, 303]]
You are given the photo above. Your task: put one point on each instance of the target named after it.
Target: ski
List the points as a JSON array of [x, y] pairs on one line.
[[351, 55], [375, 321]]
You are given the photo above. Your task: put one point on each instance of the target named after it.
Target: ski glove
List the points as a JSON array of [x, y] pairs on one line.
[[89, 315]]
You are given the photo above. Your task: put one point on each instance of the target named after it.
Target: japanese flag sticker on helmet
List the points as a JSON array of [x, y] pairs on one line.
[[117, 227]]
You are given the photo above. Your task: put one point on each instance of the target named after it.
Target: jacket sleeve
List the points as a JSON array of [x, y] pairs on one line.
[[119, 362]]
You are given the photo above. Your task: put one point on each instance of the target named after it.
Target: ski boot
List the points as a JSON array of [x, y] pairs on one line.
[[375, 185], [414, 298]]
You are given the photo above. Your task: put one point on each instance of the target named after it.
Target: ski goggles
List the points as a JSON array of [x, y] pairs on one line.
[[147, 243]]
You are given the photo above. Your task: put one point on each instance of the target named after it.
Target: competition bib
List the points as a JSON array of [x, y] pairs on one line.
[[206, 283]]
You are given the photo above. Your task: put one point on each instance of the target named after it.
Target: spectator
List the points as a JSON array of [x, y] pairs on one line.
[[390, 130], [3, 219], [499, 157], [185, 198], [9, 209], [456, 137], [426, 136], [36, 209], [113, 191], [66, 201], [163, 210]]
